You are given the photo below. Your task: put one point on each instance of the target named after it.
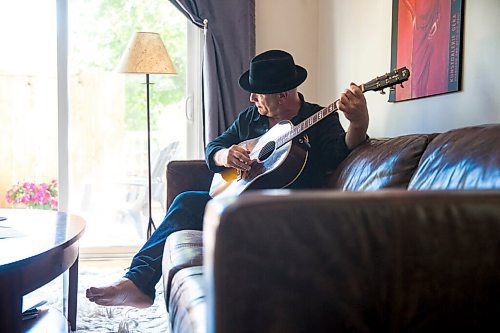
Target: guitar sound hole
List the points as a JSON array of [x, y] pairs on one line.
[[267, 150]]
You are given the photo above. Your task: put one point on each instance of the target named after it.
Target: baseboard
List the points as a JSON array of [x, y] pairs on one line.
[[108, 252]]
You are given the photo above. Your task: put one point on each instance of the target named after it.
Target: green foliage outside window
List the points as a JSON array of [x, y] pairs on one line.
[[108, 35]]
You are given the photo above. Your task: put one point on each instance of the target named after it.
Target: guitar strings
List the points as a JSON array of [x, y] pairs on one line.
[[390, 80], [267, 149]]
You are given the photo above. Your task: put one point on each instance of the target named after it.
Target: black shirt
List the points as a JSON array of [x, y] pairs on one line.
[[326, 139]]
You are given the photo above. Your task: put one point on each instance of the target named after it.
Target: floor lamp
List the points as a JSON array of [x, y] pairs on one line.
[[146, 54]]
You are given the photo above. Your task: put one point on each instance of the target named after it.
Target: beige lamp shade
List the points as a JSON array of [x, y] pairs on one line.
[[146, 54]]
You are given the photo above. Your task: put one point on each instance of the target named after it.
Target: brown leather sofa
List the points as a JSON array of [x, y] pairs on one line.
[[405, 237]]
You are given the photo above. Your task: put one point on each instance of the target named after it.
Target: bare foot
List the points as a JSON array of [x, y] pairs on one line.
[[121, 293]]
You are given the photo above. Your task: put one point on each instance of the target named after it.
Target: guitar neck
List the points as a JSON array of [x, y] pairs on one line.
[[377, 84], [306, 124]]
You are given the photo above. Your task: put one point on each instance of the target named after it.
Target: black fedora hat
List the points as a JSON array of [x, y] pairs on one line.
[[272, 72]]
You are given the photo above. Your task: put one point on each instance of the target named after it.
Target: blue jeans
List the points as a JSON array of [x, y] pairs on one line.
[[185, 213]]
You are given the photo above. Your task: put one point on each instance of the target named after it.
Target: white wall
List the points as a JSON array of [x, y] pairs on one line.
[[353, 43], [291, 25]]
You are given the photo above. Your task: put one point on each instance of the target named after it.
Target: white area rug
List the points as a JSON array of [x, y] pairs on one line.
[[94, 318]]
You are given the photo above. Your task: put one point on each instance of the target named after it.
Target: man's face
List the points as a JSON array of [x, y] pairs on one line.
[[267, 104]]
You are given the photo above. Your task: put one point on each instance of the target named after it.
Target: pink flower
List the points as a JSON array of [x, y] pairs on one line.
[[9, 196], [43, 195]]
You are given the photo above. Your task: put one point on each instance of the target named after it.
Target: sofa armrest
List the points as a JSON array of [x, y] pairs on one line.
[[183, 249], [325, 261], [188, 175]]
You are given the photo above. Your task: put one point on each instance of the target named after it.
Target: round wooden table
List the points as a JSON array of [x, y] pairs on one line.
[[36, 246]]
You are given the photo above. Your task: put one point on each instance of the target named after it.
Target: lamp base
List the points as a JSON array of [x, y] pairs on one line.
[[151, 227]]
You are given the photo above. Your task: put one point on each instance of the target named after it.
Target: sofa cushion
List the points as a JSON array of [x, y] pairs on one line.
[[187, 301], [182, 249], [461, 159], [380, 163]]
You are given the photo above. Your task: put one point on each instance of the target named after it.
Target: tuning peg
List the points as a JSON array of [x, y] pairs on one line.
[[402, 85], [382, 92]]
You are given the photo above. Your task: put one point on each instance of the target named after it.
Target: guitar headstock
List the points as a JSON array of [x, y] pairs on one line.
[[397, 76]]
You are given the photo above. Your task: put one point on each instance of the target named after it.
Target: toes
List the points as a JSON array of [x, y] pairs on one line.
[[94, 292]]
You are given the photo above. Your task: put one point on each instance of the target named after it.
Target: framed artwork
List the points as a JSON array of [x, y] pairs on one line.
[[427, 39]]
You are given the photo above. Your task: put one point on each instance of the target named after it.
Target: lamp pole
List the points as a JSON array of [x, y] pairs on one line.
[[146, 54], [151, 224]]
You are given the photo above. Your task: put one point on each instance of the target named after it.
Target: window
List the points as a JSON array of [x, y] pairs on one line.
[[107, 110], [28, 94]]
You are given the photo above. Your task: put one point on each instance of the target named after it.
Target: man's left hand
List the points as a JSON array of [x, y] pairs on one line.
[[352, 103]]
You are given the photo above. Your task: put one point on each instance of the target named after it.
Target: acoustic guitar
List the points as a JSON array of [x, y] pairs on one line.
[[281, 154]]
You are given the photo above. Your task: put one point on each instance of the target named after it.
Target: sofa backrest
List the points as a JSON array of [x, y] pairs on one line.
[[380, 163], [188, 175], [462, 159]]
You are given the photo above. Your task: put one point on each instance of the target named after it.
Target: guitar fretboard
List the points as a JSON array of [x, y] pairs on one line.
[[379, 83], [305, 124]]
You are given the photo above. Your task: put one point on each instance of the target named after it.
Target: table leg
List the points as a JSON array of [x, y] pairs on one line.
[[11, 302], [72, 294]]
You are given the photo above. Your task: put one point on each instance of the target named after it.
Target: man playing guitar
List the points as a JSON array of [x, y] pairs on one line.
[[272, 81]]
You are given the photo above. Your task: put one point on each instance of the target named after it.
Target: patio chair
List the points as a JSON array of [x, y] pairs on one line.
[[136, 199]]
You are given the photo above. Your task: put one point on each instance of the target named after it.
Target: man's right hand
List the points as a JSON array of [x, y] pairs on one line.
[[233, 157]]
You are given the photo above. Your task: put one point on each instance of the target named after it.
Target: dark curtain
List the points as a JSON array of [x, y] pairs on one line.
[[229, 47]]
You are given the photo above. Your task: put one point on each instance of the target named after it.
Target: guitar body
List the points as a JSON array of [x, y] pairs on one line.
[[278, 168]]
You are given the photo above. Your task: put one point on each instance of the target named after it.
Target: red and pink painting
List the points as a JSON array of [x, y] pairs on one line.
[[427, 38]]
